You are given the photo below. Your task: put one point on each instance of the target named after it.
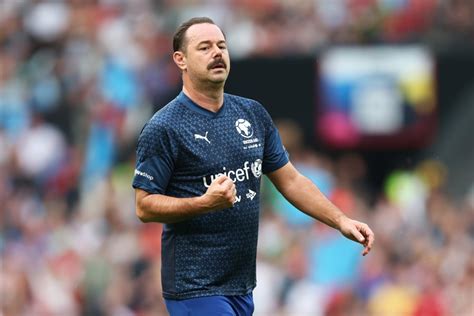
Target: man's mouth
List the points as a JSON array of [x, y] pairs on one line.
[[218, 64]]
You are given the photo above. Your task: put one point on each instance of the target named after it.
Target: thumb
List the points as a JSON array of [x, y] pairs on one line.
[[358, 236], [220, 179]]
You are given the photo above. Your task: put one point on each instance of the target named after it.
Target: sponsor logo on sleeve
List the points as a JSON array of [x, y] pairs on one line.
[[143, 174]]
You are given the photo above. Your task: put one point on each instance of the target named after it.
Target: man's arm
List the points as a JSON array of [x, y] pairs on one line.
[[166, 209], [305, 196]]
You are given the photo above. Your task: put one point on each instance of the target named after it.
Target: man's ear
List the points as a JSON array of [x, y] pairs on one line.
[[179, 60]]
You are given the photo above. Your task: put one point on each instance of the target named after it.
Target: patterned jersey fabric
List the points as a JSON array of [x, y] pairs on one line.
[[180, 151]]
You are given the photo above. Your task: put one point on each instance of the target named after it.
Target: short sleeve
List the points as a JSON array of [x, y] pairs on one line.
[[275, 155], [156, 157]]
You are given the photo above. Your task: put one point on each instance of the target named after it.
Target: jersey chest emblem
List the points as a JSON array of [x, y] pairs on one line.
[[246, 131]]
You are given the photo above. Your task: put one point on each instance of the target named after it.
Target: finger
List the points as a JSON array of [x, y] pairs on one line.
[[367, 249], [369, 241], [366, 232], [369, 238], [228, 185], [229, 190], [221, 179], [358, 236]]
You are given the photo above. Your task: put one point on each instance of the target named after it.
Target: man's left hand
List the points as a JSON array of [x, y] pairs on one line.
[[359, 232]]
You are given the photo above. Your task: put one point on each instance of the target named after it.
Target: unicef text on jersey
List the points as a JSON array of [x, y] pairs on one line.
[[240, 174]]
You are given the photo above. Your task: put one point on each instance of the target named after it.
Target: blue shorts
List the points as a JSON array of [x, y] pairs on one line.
[[241, 305]]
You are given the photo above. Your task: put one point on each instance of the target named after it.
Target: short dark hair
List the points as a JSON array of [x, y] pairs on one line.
[[179, 36]]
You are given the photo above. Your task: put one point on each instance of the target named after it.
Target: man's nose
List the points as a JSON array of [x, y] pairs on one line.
[[217, 51]]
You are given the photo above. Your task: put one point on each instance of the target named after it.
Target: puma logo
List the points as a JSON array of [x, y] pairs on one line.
[[197, 136]]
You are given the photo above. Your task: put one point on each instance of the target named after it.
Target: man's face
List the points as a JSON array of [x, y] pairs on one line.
[[205, 54]]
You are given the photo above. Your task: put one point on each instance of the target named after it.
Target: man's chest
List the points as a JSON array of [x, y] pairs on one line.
[[230, 146]]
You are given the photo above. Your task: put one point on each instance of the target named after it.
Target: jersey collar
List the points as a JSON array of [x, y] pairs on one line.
[[193, 106]]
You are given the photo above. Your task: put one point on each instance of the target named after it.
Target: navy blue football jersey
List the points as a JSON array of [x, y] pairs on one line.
[[180, 151]]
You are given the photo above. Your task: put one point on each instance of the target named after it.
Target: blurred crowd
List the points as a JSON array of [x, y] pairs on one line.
[[422, 263], [78, 79]]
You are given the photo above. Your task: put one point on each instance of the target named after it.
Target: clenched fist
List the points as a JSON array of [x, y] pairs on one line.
[[220, 194]]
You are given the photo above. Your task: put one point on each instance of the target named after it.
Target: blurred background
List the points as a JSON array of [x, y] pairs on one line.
[[374, 100]]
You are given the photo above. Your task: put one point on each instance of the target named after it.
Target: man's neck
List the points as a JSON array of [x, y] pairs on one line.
[[210, 99]]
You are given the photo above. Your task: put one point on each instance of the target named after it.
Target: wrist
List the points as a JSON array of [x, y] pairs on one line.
[[203, 203], [339, 220]]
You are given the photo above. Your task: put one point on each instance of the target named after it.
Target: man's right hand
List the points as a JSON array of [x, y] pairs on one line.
[[220, 194]]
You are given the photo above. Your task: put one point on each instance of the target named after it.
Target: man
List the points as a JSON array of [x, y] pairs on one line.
[[199, 164]]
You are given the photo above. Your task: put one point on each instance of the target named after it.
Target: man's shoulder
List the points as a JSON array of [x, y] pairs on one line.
[[163, 121], [248, 105], [167, 115]]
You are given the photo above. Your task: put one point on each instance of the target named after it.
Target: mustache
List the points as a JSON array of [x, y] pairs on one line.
[[217, 62]]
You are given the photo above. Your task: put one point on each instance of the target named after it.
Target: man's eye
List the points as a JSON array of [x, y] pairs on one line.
[[203, 48]]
